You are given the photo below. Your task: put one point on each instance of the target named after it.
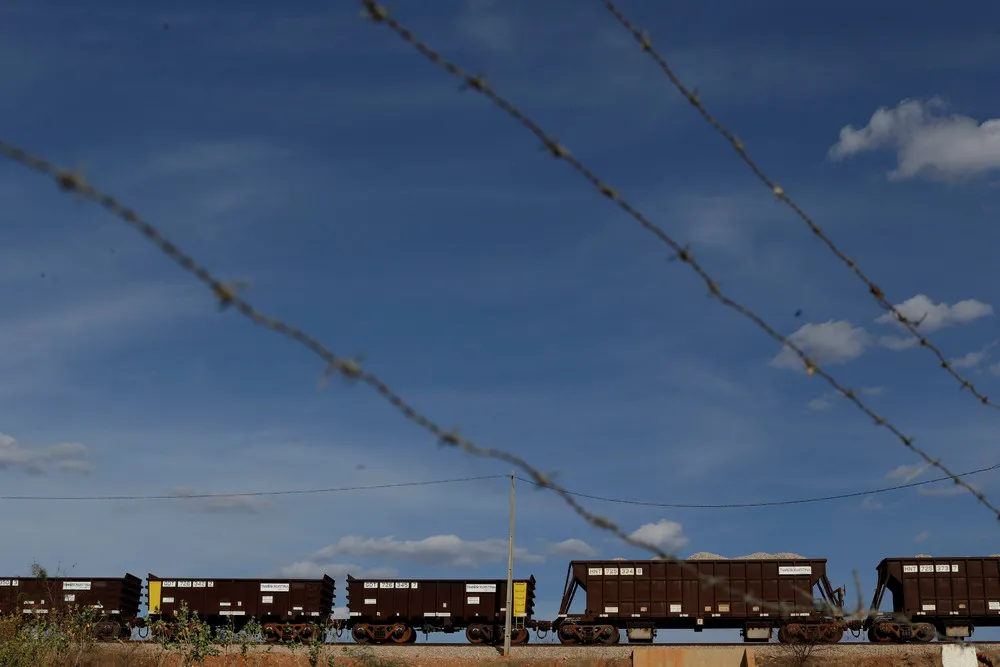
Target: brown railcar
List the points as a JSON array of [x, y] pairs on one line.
[[115, 600], [931, 596], [286, 608], [394, 610], [755, 596]]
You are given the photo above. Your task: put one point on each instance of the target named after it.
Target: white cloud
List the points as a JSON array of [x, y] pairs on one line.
[[309, 569], [933, 316], [828, 343], [449, 550], [64, 457], [935, 146], [664, 534], [922, 536], [572, 548], [907, 473]]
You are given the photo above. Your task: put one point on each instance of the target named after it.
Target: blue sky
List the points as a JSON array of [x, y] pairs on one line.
[[370, 202]]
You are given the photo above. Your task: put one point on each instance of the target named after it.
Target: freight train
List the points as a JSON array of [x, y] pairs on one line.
[[783, 594]]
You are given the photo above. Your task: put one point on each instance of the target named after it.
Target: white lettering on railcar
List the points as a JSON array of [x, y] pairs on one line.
[[794, 569], [675, 609], [611, 571], [628, 571], [69, 597], [199, 584], [167, 600], [480, 588], [942, 568], [594, 571], [611, 610], [274, 588], [169, 584], [908, 569], [369, 600], [385, 584], [995, 605], [371, 584], [929, 607], [402, 584], [183, 584], [954, 568], [267, 599], [926, 568], [472, 599], [76, 585]]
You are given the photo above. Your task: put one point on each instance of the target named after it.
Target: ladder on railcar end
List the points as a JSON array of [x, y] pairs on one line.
[[569, 591], [880, 589], [832, 597]]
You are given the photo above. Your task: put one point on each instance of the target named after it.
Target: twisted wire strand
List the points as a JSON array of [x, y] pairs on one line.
[[349, 369], [379, 15], [876, 292]]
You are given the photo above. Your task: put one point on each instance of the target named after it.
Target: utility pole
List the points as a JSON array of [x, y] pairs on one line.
[[510, 574]]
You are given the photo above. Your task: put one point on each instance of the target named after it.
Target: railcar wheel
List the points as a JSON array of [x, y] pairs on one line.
[[359, 635], [610, 635], [401, 633], [105, 631], [924, 632], [565, 634], [476, 634], [519, 636]]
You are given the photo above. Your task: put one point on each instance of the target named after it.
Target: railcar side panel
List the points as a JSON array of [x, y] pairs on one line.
[[278, 599], [453, 603], [106, 596]]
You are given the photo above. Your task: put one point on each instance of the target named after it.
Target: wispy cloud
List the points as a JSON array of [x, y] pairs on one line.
[[826, 401], [446, 550], [69, 457], [219, 504]]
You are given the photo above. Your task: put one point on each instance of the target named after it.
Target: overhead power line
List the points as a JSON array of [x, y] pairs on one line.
[[183, 496], [773, 503], [622, 501]]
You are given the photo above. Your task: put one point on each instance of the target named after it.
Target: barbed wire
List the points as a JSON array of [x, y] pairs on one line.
[[73, 182], [876, 292], [773, 503], [380, 16], [351, 370]]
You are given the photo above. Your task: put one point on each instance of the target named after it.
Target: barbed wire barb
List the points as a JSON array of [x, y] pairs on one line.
[[779, 192], [380, 16]]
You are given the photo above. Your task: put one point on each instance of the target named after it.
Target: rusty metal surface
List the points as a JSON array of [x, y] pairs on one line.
[[942, 588], [267, 600], [666, 595], [438, 603], [107, 596]]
